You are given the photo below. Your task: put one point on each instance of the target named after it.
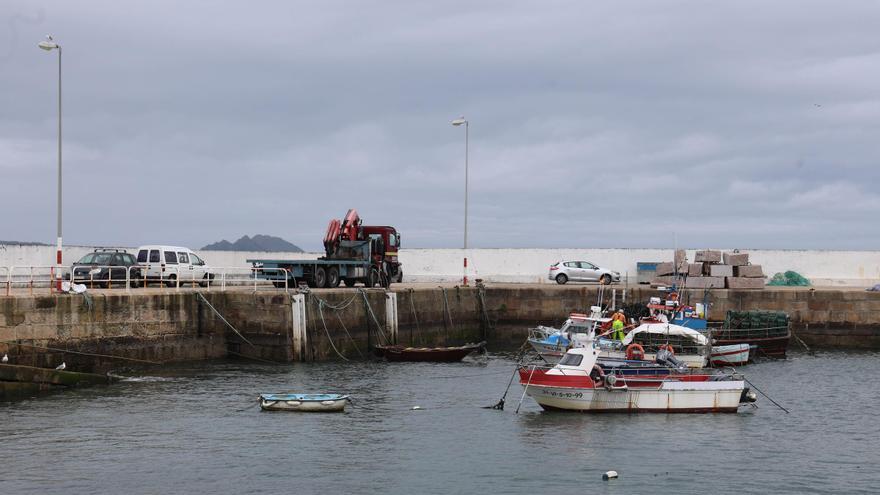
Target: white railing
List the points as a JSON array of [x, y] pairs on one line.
[[137, 277]]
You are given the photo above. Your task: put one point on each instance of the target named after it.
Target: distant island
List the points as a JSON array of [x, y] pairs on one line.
[[258, 242]]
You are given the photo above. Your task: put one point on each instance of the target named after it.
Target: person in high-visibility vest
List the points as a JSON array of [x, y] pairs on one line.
[[617, 329]]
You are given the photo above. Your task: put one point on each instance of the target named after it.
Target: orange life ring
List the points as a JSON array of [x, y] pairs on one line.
[[673, 296], [633, 349], [667, 347]]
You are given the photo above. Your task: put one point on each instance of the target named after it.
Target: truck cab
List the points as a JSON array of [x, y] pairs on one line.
[[384, 244]]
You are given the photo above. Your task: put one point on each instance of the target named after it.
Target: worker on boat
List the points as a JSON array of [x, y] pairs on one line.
[[617, 329]]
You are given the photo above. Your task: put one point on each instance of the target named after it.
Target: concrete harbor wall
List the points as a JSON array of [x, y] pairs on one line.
[[824, 268], [155, 326]]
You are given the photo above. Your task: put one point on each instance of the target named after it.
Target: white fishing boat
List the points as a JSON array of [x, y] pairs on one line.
[[577, 383], [730, 355], [642, 343], [579, 329], [303, 402]]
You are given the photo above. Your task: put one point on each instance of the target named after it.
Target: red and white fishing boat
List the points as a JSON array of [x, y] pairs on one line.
[[730, 355], [577, 383]]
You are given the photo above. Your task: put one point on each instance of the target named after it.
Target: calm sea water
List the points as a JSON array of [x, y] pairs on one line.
[[194, 429]]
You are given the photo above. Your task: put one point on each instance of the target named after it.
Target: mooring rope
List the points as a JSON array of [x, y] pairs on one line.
[[373, 315], [412, 305], [92, 354], [327, 331], [446, 307], [199, 294], [349, 334]]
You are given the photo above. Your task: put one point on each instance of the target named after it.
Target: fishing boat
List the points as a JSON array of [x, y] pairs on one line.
[[303, 402], [730, 355], [643, 342], [578, 383], [551, 343], [768, 331], [427, 354]]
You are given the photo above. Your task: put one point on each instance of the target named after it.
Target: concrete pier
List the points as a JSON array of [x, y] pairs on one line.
[[156, 326]]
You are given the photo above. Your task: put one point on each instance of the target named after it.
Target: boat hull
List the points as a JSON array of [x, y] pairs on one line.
[[427, 354], [716, 397], [691, 360], [316, 403], [775, 347], [730, 355]]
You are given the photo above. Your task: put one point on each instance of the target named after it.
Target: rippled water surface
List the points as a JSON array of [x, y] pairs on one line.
[[194, 428]]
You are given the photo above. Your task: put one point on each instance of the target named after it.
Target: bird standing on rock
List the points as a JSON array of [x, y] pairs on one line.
[[5, 358], [61, 366]]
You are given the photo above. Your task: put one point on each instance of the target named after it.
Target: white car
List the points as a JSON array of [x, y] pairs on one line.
[[168, 263], [581, 271]]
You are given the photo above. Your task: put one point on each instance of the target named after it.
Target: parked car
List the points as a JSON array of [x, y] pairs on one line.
[[106, 266], [167, 263], [581, 271]]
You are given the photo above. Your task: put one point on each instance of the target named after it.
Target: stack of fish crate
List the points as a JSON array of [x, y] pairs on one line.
[[745, 275], [667, 271], [707, 272]]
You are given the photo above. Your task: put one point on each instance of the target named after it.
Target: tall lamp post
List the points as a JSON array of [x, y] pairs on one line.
[[457, 122], [49, 44]]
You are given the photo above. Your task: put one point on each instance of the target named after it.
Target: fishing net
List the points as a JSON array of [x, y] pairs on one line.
[[789, 279], [755, 319]]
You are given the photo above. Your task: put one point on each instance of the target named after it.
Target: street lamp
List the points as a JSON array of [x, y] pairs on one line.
[[49, 44], [457, 122]]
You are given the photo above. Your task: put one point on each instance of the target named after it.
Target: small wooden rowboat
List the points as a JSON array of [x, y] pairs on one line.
[[303, 402], [427, 354]]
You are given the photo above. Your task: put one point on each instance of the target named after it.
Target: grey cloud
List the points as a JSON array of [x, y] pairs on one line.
[[592, 124]]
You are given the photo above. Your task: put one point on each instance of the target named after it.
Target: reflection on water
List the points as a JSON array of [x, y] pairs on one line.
[[196, 427]]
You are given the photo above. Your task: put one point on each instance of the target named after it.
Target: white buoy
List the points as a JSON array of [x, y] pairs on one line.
[[5, 358], [609, 475], [416, 408], [61, 366]]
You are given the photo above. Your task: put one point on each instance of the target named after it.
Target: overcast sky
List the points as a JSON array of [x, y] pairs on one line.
[[614, 124]]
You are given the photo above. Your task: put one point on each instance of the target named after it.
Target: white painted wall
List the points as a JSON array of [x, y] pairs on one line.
[[843, 268]]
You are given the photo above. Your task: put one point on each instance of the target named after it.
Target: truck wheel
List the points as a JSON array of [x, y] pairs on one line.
[[399, 276], [320, 277], [372, 279], [349, 282], [333, 277], [171, 281], [561, 279]]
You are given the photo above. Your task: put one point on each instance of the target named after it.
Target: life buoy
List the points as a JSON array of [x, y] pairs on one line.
[[668, 347], [635, 349], [673, 296]]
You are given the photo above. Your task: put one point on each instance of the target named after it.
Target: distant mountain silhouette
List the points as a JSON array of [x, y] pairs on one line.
[[23, 243], [258, 242]]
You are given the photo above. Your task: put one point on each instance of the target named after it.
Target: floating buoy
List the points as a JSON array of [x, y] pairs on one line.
[[416, 408], [609, 475]]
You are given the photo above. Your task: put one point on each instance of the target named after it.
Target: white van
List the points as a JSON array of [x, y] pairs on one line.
[[168, 263]]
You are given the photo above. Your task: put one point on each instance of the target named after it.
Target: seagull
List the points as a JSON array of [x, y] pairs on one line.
[[5, 358], [61, 366]]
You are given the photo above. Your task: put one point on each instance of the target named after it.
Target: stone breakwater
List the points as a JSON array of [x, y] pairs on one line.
[[93, 333]]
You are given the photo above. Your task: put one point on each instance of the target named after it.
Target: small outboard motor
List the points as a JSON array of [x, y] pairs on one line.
[[747, 396], [666, 358]]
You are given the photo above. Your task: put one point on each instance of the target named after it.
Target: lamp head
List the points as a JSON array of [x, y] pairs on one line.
[[459, 121], [48, 44]]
